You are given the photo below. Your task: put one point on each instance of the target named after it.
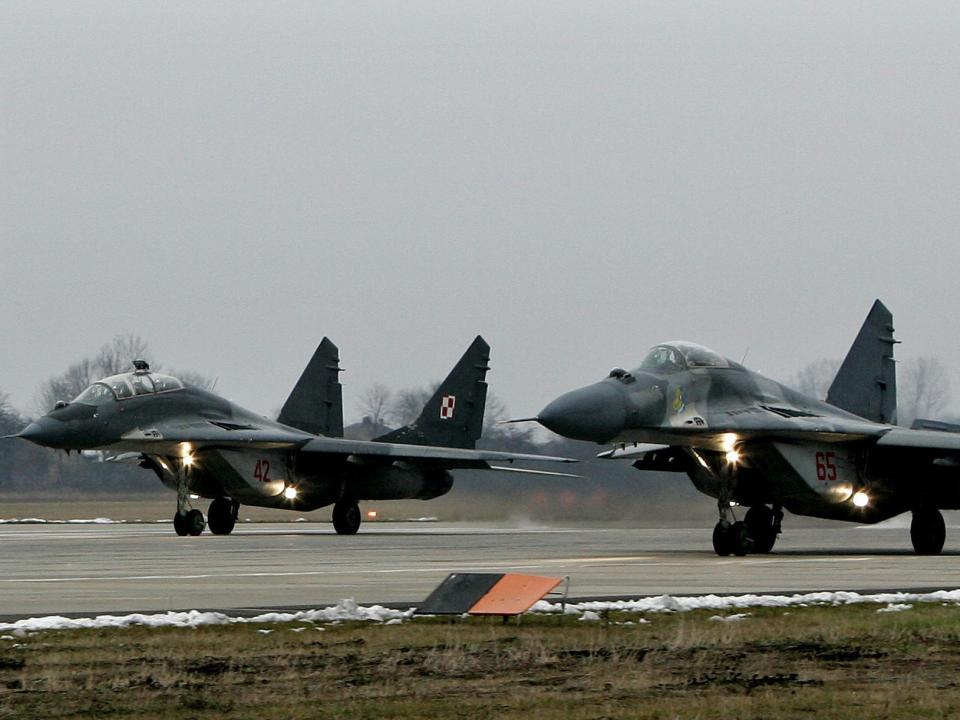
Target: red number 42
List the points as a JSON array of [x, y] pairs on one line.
[[826, 466], [262, 471]]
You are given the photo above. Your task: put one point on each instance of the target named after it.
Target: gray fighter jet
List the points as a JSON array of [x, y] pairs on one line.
[[752, 442], [200, 444]]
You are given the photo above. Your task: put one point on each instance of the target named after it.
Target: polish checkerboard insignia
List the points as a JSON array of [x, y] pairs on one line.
[[447, 404]]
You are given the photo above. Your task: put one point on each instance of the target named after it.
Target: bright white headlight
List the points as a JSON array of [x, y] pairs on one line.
[[861, 499]]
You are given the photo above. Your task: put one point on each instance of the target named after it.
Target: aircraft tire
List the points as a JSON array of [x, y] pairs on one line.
[[222, 516], [722, 536], [760, 521], [740, 542], [180, 524], [194, 522], [346, 517], [927, 531]]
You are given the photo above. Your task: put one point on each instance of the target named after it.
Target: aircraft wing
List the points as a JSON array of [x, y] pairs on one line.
[[450, 457]]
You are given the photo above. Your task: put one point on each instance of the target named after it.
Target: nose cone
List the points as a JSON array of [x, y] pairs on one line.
[[596, 413], [32, 432], [43, 431]]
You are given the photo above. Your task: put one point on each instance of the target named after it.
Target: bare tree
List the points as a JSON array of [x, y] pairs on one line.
[[195, 379], [408, 404], [814, 378], [923, 389], [10, 420], [112, 358], [117, 355], [375, 403]]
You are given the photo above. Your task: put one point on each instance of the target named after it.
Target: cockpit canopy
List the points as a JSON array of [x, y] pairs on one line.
[[128, 385], [673, 356]]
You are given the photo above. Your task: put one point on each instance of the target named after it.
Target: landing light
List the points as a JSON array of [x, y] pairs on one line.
[[861, 499], [728, 441], [188, 460], [290, 492], [733, 457]]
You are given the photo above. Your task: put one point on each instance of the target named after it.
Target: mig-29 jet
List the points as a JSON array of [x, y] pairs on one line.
[[749, 441], [198, 443]]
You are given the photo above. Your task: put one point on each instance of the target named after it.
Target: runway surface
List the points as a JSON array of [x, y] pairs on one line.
[[84, 569]]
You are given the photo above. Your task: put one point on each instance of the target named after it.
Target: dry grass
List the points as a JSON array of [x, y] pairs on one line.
[[823, 662]]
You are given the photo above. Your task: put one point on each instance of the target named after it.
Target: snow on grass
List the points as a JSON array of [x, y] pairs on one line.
[[349, 610], [670, 603], [895, 607], [342, 611]]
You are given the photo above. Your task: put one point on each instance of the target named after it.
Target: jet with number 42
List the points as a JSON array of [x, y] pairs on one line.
[[201, 445], [753, 443]]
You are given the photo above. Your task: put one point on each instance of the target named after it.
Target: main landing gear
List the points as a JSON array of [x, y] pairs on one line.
[[346, 517], [222, 515], [927, 531], [757, 532]]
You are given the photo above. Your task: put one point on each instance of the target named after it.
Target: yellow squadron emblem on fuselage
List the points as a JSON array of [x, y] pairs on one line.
[[678, 401]]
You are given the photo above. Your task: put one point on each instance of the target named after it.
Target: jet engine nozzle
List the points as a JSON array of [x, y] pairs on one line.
[[595, 413]]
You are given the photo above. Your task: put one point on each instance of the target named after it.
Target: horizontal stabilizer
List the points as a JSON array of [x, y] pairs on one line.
[[922, 424], [397, 451], [920, 439], [525, 471]]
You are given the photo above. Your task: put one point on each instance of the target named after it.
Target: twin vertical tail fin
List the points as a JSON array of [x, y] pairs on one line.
[[453, 417], [866, 383], [316, 403]]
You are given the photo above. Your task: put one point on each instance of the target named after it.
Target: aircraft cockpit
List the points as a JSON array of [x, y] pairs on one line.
[[127, 385], [674, 356]]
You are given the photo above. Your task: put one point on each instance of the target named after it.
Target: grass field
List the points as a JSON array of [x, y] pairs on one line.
[[823, 662]]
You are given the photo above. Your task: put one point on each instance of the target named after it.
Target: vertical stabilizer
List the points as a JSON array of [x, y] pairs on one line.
[[316, 403], [866, 383], [453, 417]]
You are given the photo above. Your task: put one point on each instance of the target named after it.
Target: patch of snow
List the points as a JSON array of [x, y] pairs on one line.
[[348, 610], [895, 607], [670, 603], [730, 618]]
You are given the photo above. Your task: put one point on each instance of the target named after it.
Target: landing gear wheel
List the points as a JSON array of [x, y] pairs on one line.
[[222, 516], [740, 541], [927, 531], [761, 522], [346, 517], [194, 522], [722, 544], [180, 524]]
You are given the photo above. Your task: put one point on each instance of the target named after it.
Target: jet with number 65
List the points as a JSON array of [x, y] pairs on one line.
[[753, 443], [204, 446]]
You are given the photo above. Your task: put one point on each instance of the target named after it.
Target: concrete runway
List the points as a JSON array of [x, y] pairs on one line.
[[83, 569]]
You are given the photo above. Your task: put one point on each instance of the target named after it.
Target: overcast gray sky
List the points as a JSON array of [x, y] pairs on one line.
[[575, 181]]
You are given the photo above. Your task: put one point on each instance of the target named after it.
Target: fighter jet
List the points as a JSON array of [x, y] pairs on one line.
[[754, 443], [203, 445]]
